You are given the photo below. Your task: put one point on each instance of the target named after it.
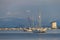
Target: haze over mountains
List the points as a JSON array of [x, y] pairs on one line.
[[23, 22], [15, 22]]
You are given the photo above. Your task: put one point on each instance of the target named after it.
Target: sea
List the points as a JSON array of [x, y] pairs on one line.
[[29, 36]]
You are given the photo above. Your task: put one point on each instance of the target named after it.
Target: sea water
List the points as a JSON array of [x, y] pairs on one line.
[[29, 36]]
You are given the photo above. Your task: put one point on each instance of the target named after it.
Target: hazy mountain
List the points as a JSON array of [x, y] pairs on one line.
[[21, 22], [14, 22]]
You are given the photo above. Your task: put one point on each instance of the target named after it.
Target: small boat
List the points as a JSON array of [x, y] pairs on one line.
[[40, 31]]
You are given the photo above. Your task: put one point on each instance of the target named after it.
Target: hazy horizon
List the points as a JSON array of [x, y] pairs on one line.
[[49, 10]]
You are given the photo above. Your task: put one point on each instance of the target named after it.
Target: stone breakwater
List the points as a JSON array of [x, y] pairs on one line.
[[23, 29]]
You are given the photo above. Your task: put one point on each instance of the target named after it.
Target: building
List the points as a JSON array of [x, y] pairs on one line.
[[54, 25]]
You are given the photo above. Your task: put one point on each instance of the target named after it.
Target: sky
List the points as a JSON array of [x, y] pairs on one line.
[[49, 10]]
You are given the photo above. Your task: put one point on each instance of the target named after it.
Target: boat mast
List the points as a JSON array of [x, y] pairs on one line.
[[39, 18], [29, 21]]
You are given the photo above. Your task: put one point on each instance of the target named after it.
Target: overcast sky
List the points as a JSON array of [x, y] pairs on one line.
[[49, 9]]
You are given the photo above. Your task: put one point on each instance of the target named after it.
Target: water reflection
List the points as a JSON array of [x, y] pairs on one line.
[[29, 36]]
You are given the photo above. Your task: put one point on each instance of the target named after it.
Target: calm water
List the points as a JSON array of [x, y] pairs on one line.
[[29, 36]]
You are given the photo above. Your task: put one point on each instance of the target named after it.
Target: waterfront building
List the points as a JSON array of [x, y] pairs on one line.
[[54, 25]]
